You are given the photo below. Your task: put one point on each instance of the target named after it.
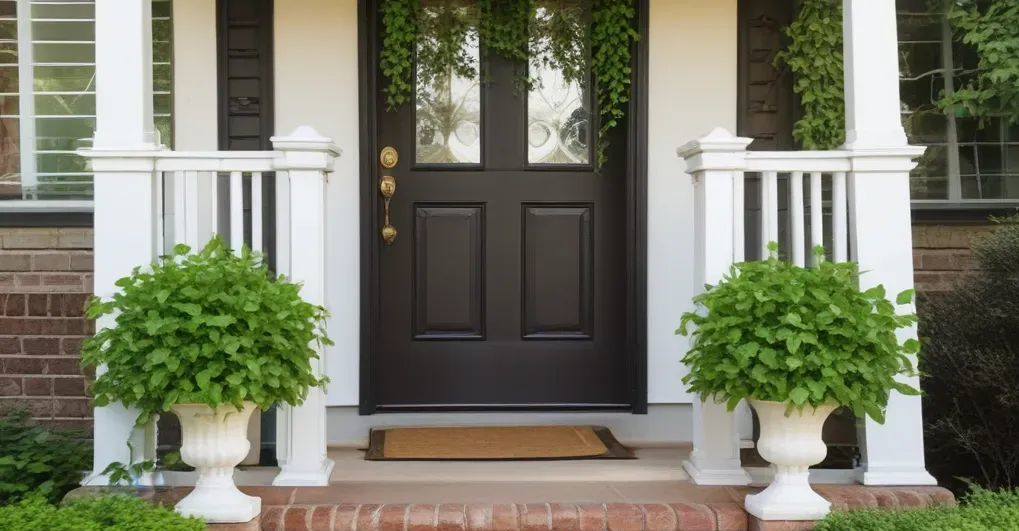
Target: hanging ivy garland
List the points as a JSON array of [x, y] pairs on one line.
[[432, 40]]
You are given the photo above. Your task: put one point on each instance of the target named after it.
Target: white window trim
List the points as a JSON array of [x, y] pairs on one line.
[[26, 100]]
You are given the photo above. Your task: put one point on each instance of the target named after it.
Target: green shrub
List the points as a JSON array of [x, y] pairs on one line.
[[970, 368], [99, 513], [981, 510], [213, 327], [39, 460], [807, 336]]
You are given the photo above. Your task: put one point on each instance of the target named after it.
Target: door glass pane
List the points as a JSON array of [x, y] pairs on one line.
[[448, 107], [558, 103]]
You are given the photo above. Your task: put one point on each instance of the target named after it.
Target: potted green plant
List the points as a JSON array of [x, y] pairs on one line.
[[210, 336], [796, 343]]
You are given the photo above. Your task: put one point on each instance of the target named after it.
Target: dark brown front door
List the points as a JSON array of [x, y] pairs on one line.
[[506, 283]]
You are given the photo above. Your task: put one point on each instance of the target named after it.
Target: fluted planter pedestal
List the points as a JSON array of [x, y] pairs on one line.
[[791, 444], [214, 442]]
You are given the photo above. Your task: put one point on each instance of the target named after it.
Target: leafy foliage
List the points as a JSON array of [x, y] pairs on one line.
[[612, 34], [96, 513], [991, 27], [981, 510], [433, 38], [814, 55], [36, 460], [396, 60], [212, 327], [970, 368], [807, 336]]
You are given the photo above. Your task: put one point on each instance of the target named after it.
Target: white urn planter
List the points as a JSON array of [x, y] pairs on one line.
[[214, 442], [791, 444]]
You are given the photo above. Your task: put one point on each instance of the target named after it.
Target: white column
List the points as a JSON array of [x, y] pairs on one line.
[[715, 161], [306, 159], [871, 74], [879, 219], [124, 192]]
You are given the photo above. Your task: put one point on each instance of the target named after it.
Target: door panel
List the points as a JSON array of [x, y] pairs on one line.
[[449, 272], [557, 264], [506, 284]]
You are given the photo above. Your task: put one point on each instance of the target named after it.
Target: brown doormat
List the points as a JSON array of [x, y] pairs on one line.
[[495, 443]]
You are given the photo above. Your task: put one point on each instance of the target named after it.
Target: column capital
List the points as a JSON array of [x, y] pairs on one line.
[[897, 159], [305, 149], [718, 150]]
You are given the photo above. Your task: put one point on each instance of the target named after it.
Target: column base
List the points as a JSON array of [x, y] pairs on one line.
[[887, 476], [703, 475], [304, 476]]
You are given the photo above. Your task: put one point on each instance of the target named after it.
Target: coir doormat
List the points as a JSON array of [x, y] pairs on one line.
[[495, 443]]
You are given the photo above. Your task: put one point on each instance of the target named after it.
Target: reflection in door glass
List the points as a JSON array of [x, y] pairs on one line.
[[558, 105], [448, 118]]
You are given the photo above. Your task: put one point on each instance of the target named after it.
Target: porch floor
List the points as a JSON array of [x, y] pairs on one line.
[[656, 476]]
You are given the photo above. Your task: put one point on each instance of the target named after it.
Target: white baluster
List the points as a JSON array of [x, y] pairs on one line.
[[840, 220], [236, 211], [213, 188], [256, 212], [191, 208], [180, 224], [769, 211], [796, 217], [739, 225], [816, 213]]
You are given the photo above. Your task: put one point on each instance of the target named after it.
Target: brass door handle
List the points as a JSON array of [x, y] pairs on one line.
[[387, 188]]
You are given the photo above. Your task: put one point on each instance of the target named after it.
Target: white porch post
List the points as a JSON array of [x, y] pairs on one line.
[[716, 162], [879, 213], [125, 192], [306, 159]]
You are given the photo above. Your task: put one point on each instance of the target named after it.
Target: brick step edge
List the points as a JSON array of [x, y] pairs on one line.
[[500, 517]]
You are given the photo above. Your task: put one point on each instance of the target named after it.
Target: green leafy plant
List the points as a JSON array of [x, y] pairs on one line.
[[991, 28], [37, 460], [814, 56], [94, 513], [980, 510], [774, 331], [212, 327], [431, 39]]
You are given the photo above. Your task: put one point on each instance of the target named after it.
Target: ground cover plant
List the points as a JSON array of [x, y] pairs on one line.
[[95, 513], [980, 510], [37, 460]]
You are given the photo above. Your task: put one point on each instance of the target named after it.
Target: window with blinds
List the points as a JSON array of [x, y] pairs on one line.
[[47, 94]]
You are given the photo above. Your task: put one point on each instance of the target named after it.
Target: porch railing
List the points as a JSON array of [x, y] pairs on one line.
[[221, 192], [854, 202], [810, 211], [148, 200]]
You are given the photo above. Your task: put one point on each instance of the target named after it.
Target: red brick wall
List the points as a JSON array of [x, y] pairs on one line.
[[45, 279], [942, 255]]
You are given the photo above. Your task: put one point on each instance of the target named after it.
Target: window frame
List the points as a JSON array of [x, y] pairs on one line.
[[73, 208], [954, 201]]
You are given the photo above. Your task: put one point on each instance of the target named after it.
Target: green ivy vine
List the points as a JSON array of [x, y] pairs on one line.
[[432, 40], [814, 56], [991, 27]]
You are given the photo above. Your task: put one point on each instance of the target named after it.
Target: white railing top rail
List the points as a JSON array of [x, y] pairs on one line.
[[217, 161], [798, 161]]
